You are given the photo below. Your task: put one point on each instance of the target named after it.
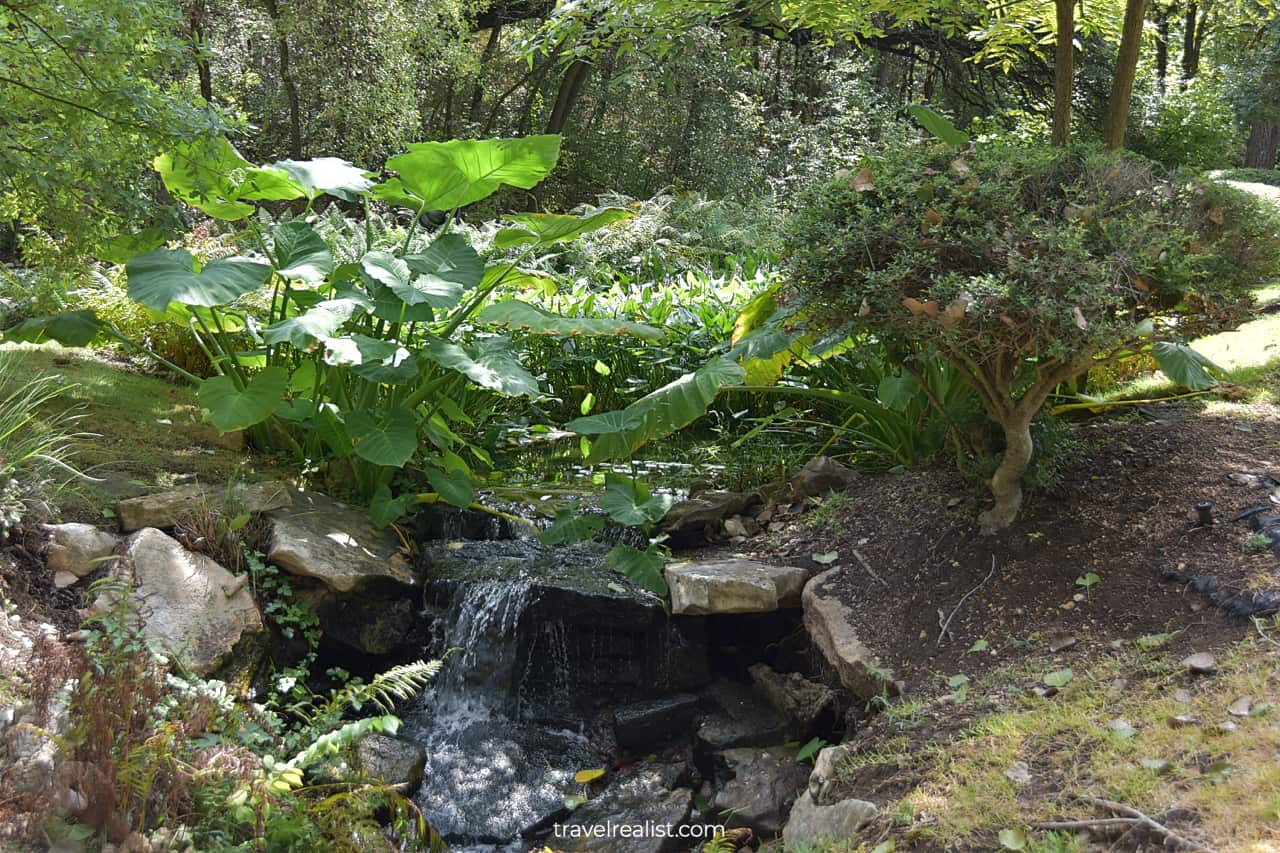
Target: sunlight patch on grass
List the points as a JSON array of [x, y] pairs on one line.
[[143, 431], [1221, 766]]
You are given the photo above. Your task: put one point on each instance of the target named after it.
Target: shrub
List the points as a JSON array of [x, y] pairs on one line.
[[1193, 127], [1023, 267]]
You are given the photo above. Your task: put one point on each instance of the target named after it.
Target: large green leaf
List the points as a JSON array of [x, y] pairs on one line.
[[231, 408], [329, 175], [448, 267], [546, 229], [643, 567], [122, 247], [386, 269], [384, 437], [266, 183], [308, 328], [522, 315], [569, 526], [384, 509], [517, 278], [71, 329], [628, 502], [447, 175], [371, 358], [490, 365], [658, 414], [939, 125], [200, 172], [169, 275], [454, 486], [1184, 365], [301, 252]]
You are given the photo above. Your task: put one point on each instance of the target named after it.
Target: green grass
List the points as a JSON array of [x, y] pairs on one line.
[[144, 433], [1073, 747]]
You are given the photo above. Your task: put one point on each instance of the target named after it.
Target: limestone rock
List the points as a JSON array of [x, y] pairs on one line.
[[317, 537], [645, 797], [692, 516], [165, 509], [810, 822], [805, 702], [191, 606], [765, 783], [821, 475], [78, 549], [735, 585], [830, 626], [62, 580], [826, 773], [396, 761]]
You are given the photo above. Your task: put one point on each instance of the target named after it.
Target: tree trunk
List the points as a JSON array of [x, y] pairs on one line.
[[1126, 69], [570, 88], [1162, 47], [197, 14], [1063, 70], [477, 91], [1264, 140], [1006, 483], [290, 85], [1189, 63]]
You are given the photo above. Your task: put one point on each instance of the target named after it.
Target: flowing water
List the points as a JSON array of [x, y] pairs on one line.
[[541, 638]]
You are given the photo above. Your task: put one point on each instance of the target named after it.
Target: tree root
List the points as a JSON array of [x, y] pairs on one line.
[[1132, 818]]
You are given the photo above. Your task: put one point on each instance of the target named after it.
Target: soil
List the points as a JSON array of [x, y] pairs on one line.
[[910, 557]]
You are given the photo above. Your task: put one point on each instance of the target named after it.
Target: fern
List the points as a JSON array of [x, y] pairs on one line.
[[387, 688]]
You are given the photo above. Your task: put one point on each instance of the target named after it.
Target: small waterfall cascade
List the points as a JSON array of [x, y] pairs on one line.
[[540, 641]]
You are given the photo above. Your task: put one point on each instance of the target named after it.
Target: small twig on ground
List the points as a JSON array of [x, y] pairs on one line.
[[1132, 819], [867, 566], [943, 633], [1257, 624]]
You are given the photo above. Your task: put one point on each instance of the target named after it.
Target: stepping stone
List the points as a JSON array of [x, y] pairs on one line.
[[733, 586]]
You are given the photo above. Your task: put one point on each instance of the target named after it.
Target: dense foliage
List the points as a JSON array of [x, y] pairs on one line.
[[1023, 266]]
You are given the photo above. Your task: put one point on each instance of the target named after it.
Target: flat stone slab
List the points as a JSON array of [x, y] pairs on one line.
[[830, 626], [191, 606], [735, 585], [318, 537], [165, 509]]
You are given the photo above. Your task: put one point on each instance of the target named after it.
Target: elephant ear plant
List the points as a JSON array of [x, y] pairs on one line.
[[366, 362]]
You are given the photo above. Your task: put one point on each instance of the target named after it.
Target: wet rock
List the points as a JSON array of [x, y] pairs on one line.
[[841, 821], [821, 475], [165, 509], [317, 537], [641, 725], [735, 585], [396, 761], [805, 702], [191, 606], [764, 784], [689, 519], [78, 549], [740, 718], [370, 623], [646, 797], [1201, 663], [830, 626]]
